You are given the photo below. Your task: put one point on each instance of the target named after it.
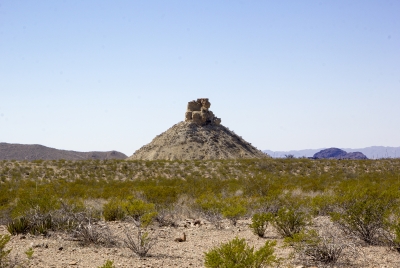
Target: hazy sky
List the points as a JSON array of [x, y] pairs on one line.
[[285, 75]]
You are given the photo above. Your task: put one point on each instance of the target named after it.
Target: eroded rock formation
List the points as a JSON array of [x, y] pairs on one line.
[[200, 137], [197, 112]]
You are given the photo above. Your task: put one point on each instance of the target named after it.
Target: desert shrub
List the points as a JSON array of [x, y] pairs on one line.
[[238, 254], [162, 196], [108, 264], [363, 213], [231, 208], [325, 248], [140, 211], [210, 208], [18, 226], [4, 239], [114, 210], [290, 221], [259, 223], [140, 244], [166, 217], [392, 230], [234, 208], [35, 222], [43, 199], [95, 234], [323, 205], [40, 223], [29, 253]]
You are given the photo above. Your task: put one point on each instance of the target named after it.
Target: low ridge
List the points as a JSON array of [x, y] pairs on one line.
[[29, 152], [200, 136]]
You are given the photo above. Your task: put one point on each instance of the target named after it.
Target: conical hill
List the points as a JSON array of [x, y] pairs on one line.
[[200, 136]]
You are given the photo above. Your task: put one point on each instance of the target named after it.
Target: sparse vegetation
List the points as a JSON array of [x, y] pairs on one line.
[[3, 252], [29, 253], [360, 197]]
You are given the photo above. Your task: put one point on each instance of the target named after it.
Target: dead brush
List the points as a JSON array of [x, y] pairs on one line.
[[214, 217], [96, 234], [166, 217], [326, 247], [140, 243]]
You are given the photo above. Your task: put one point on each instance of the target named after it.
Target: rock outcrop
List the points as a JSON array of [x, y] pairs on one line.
[[200, 136], [336, 153], [197, 112]]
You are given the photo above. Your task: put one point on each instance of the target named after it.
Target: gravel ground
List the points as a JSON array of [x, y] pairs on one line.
[[61, 250]]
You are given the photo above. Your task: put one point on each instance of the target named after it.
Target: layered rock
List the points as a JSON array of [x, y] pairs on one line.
[[198, 113], [200, 136]]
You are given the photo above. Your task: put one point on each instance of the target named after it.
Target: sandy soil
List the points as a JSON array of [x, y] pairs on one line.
[[60, 249]]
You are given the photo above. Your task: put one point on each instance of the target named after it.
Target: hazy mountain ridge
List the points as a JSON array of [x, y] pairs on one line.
[[372, 152], [29, 152]]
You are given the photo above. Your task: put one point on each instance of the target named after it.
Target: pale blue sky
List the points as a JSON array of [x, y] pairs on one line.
[[285, 75]]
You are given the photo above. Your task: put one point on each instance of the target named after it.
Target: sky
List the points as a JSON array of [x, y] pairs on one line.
[[93, 75]]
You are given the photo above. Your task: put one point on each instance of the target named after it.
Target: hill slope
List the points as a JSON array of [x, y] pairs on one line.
[[187, 140], [200, 136], [9, 151]]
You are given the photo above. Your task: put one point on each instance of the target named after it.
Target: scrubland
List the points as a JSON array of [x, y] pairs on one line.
[[234, 213]]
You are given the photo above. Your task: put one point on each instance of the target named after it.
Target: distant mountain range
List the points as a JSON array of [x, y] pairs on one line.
[[373, 152], [29, 152]]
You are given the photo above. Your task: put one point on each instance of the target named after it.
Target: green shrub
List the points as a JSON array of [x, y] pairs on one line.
[[231, 208], [238, 254], [18, 226], [289, 221], [234, 208], [141, 211], [259, 223], [114, 210], [43, 200], [138, 210], [4, 239], [29, 253], [363, 214], [108, 264], [162, 196], [323, 205]]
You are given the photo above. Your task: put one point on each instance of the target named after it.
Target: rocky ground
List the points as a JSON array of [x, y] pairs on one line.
[[62, 250]]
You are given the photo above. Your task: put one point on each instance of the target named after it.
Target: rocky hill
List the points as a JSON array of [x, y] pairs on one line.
[[29, 152], [200, 136], [336, 153]]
